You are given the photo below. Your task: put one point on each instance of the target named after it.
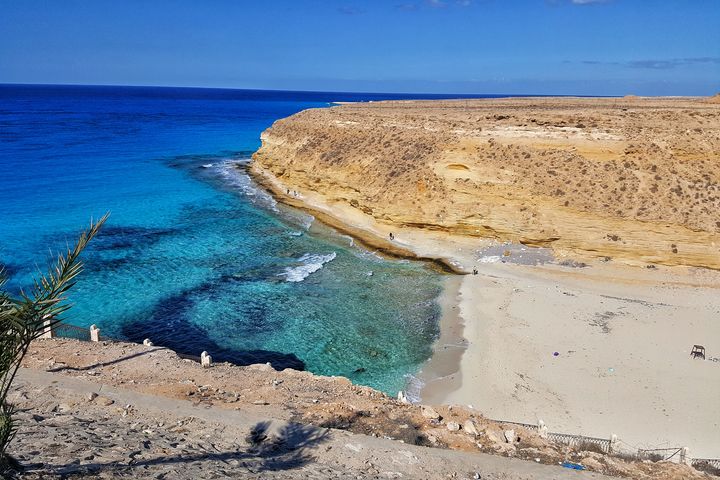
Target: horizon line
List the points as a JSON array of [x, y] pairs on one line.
[[323, 91]]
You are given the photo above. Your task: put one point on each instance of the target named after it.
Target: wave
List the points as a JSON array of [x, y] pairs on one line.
[[237, 179], [311, 263], [413, 387]]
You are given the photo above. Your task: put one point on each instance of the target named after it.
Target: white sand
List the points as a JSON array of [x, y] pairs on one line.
[[623, 335]]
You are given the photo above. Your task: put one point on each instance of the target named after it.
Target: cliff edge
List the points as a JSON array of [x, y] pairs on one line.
[[636, 179]]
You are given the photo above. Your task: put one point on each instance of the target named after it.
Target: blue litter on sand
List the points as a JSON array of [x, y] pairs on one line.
[[574, 466]]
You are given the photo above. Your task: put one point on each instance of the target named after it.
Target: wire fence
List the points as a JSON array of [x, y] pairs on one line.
[[600, 445], [659, 454]]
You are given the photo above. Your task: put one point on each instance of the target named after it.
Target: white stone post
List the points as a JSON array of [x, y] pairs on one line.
[[613, 443], [685, 456], [542, 429], [147, 342], [205, 360], [94, 333], [47, 329]]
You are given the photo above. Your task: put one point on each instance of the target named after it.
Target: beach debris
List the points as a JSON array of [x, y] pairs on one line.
[[573, 466], [509, 436], [555, 354], [470, 428], [453, 426], [91, 396], [402, 398], [147, 342], [430, 413], [698, 351]]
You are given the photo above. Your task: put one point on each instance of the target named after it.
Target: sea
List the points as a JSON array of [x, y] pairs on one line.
[[195, 256]]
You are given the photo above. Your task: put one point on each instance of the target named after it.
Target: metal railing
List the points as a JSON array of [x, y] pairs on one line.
[[581, 442], [577, 441], [712, 462], [65, 330]]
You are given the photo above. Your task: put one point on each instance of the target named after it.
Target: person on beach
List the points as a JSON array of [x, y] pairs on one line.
[[392, 237]]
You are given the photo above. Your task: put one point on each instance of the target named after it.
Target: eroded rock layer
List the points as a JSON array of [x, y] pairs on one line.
[[634, 178]]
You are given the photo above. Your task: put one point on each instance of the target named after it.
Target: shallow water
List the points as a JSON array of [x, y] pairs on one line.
[[194, 256]]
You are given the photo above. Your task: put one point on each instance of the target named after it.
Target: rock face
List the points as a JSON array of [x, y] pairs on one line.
[[636, 179]]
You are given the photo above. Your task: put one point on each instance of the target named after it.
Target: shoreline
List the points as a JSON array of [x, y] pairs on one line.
[[511, 317], [441, 373], [365, 238]]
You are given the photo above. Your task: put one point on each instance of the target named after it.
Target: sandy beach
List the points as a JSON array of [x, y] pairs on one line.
[[622, 338], [623, 335], [587, 343]]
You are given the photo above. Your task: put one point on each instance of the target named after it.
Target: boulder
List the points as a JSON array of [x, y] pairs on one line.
[[470, 428], [453, 426], [430, 413]]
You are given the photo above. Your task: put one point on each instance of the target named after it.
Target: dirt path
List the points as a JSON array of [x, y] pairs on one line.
[[126, 434]]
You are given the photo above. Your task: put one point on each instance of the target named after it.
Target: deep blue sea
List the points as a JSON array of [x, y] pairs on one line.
[[195, 256]]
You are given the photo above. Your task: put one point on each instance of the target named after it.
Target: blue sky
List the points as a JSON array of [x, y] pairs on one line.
[[610, 47]]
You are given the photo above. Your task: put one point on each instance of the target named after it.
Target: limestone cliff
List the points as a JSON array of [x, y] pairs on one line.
[[635, 178]]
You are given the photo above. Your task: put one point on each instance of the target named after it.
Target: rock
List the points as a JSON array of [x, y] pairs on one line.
[[494, 436], [509, 436], [592, 464], [453, 426], [430, 413], [470, 428], [104, 401]]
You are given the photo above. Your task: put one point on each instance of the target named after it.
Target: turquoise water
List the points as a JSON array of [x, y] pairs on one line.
[[194, 255]]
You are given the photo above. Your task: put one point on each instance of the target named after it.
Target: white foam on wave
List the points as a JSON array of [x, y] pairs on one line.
[[413, 387], [311, 263], [350, 239], [240, 180]]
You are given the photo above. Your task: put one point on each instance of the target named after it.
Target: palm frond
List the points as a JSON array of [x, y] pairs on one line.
[[25, 318]]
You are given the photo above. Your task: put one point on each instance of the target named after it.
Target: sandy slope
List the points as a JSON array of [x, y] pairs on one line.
[[120, 410]]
